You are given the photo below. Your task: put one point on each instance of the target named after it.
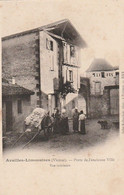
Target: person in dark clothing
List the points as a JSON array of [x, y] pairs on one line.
[[75, 120], [82, 123], [64, 122], [56, 117]]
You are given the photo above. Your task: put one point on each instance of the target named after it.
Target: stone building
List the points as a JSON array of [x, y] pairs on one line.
[[104, 89], [15, 106], [42, 60], [101, 74]]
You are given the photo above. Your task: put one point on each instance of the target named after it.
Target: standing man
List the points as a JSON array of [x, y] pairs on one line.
[[75, 120], [82, 118]]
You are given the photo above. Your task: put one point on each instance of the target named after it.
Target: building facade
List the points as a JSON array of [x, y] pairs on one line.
[[101, 74], [16, 102], [42, 60], [104, 89]]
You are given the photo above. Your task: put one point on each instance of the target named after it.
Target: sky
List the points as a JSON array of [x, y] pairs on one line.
[[100, 23]]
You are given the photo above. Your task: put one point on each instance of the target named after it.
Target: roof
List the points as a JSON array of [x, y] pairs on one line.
[[100, 65], [14, 90], [62, 28]]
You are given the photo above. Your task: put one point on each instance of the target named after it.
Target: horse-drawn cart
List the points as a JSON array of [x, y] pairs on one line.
[[39, 120]]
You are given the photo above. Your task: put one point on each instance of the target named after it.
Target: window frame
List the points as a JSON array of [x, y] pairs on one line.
[[97, 92], [70, 76], [103, 74], [49, 44], [72, 52]]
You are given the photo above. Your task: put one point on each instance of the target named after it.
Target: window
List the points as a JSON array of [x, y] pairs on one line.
[[110, 74], [94, 74], [103, 74], [117, 73], [70, 76], [65, 55], [37, 77], [38, 93], [49, 44], [97, 88], [72, 51], [37, 85], [19, 106]]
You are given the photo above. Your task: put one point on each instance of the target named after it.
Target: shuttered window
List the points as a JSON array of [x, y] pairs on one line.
[[72, 51], [65, 55], [70, 75], [97, 88], [49, 44]]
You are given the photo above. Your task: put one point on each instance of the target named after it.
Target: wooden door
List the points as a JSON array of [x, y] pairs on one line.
[[114, 101], [9, 116]]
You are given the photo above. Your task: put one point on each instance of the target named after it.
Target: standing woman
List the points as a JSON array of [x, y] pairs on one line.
[[82, 118], [56, 121], [75, 120], [64, 122]]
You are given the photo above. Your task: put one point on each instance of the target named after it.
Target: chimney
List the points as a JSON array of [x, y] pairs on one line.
[[13, 80]]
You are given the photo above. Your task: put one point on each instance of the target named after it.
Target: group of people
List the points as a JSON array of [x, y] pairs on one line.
[[60, 124], [79, 121], [60, 121]]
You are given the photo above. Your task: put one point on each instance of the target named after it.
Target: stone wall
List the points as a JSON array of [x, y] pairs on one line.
[[100, 105], [20, 59]]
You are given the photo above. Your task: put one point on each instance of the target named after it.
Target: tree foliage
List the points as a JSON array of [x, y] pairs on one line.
[[67, 88]]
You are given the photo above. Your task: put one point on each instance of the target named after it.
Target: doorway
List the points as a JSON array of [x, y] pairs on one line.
[[8, 116], [114, 101], [82, 103]]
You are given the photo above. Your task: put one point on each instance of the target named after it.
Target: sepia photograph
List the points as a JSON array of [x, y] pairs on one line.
[[61, 64], [48, 95]]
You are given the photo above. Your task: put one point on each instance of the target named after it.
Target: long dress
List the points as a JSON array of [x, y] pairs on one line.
[[82, 124], [75, 121], [56, 123], [64, 124]]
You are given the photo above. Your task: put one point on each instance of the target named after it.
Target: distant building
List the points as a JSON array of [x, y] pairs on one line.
[[15, 106], [104, 89], [42, 60], [101, 74]]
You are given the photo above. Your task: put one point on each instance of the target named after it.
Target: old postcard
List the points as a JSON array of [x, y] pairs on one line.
[[62, 97]]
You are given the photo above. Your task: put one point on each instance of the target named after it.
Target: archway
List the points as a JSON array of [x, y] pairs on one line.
[[82, 103], [83, 99]]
